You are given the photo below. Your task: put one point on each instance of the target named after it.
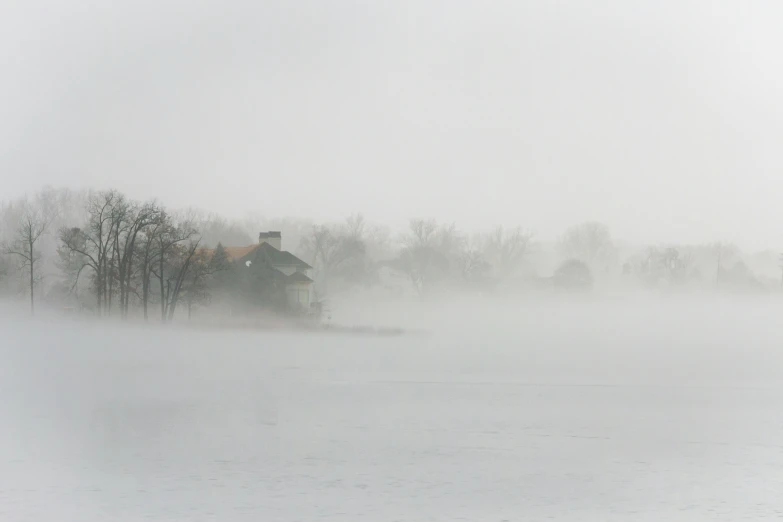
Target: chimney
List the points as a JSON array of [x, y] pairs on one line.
[[274, 239]]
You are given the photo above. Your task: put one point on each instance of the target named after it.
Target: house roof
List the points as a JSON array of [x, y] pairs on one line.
[[274, 256], [234, 253], [281, 257], [298, 277]]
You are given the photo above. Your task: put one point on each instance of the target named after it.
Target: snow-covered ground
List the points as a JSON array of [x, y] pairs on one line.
[[623, 411]]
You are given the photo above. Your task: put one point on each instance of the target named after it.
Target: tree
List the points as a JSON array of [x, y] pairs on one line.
[[666, 264], [506, 249], [25, 246], [354, 227], [573, 274], [119, 245], [206, 263], [475, 269], [336, 250], [172, 262], [740, 277], [147, 256], [3, 267], [590, 242], [181, 260], [215, 229], [91, 247], [431, 253], [421, 234], [377, 241], [723, 254], [57, 207], [134, 221]]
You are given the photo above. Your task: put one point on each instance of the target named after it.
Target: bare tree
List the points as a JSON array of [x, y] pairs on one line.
[[506, 249], [147, 255], [724, 253], [355, 227], [421, 233], [215, 229], [589, 242], [330, 248], [378, 243], [670, 265], [118, 227], [182, 259], [31, 228], [474, 267], [172, 261], [573, 274], [92, 246], [137, 218], [431, 252], [205, 264]]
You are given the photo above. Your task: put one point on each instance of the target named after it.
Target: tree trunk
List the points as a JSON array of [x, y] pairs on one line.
[[32, 280], [110, 275], [183, 272], [128, 272], [172, 309], [121, 283], [170, 303], [105, 285], [145, 289], [144, 284], [98, 289], [146, 268], [162, 292]]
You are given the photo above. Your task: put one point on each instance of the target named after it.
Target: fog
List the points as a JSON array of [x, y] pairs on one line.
[[571, 410], [390, 261], [660, 119]]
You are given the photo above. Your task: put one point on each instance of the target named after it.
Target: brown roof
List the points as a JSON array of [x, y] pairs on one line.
[[274, 256], [234, 253]]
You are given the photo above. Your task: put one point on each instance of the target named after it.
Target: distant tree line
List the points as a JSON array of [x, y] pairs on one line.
[[129, 250], [106, 253]]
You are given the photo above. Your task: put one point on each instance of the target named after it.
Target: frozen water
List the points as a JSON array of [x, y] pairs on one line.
[[579, 411]]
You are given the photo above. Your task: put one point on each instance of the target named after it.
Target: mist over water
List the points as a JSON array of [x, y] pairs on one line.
[[391, 261], [571, 409]]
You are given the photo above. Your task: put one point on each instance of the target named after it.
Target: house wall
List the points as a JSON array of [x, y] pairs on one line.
[[287, 270], [290, 269], [299, 295]]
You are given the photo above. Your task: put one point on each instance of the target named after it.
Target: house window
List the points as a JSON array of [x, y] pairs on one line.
[[299, 295]]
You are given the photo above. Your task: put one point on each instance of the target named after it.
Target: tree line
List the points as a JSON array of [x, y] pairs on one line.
[[114, 255], [124, 252]]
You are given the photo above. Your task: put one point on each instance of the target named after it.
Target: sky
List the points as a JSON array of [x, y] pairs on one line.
[[661, 119]]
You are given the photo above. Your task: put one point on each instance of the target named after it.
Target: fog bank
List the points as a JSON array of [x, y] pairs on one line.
[[588, 410]]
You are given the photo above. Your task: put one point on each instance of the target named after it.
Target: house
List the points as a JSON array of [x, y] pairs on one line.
[[291, 271]]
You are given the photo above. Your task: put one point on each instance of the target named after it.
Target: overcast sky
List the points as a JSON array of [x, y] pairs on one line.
[[662, 119]]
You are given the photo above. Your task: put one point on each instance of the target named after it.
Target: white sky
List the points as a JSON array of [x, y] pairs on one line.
[[663, 119]]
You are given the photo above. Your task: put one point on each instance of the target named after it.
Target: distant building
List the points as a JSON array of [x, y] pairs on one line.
[[291, 271]]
